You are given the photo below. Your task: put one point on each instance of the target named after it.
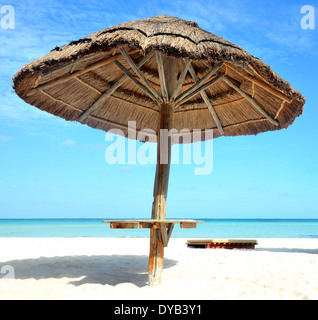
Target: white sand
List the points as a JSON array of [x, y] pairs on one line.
[[104, 268]]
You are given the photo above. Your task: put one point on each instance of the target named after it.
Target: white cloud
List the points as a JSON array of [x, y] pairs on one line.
[[126, 169], [94, 147], [5, 138], [69, 143], [185, 187]]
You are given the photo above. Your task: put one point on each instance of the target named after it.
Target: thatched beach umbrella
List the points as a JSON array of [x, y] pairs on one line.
[[162, 73]]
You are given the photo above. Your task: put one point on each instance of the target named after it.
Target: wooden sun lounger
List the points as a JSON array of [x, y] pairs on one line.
[[222, 244]]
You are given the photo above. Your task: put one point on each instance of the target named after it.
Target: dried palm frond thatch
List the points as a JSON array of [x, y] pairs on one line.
[[92, 81]]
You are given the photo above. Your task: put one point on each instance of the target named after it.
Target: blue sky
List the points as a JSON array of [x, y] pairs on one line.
[[51, 168]]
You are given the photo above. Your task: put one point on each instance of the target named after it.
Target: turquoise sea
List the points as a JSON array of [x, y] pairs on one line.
[[211, 228]]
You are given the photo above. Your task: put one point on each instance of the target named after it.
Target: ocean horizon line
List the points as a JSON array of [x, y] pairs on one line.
[[172, 218], [211, 227]]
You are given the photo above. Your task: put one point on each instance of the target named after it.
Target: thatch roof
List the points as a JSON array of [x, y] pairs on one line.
[[71, 80]]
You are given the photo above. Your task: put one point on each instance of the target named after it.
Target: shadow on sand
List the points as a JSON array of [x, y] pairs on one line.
[[111, 270]]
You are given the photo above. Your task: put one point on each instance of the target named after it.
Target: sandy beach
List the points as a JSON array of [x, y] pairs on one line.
[[116, 268]]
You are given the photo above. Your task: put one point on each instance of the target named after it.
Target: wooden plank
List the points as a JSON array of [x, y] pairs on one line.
[[188, 225], [149, 225], [223, 244], [222, 241], [207, 102], [145, 225], [117, 225], [251, 101], [152, 221]]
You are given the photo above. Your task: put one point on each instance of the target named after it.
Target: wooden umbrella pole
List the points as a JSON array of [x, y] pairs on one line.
[[158, 233], [168, 73]]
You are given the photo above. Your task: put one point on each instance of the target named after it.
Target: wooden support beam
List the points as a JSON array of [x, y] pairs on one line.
[[111, 90], [198, 84], [219, 77], [244, 123], [280, 109], [181, 79], [164, 236], [158, 237], [50, 71], [207, 102], [88, 85], [73, 67], [64, 78], [140, 74], [261, 84], [251, 101], [156, 253], [162, 80], [139, 84], [168, 74], [169, 232]]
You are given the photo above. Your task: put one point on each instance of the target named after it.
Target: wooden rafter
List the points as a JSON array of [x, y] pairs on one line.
[[88, 85], [60, 101], [67, 77], [73, 67], [162, 80], [256, 106], [111, 90], [207, 102], [139, 84], [262, 84], [168, 75], [244, 123], [109, 122], [114, 96], [280, 109], [181, 78], [140, 74], [148, 133], [200, 83], [199, 89]]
